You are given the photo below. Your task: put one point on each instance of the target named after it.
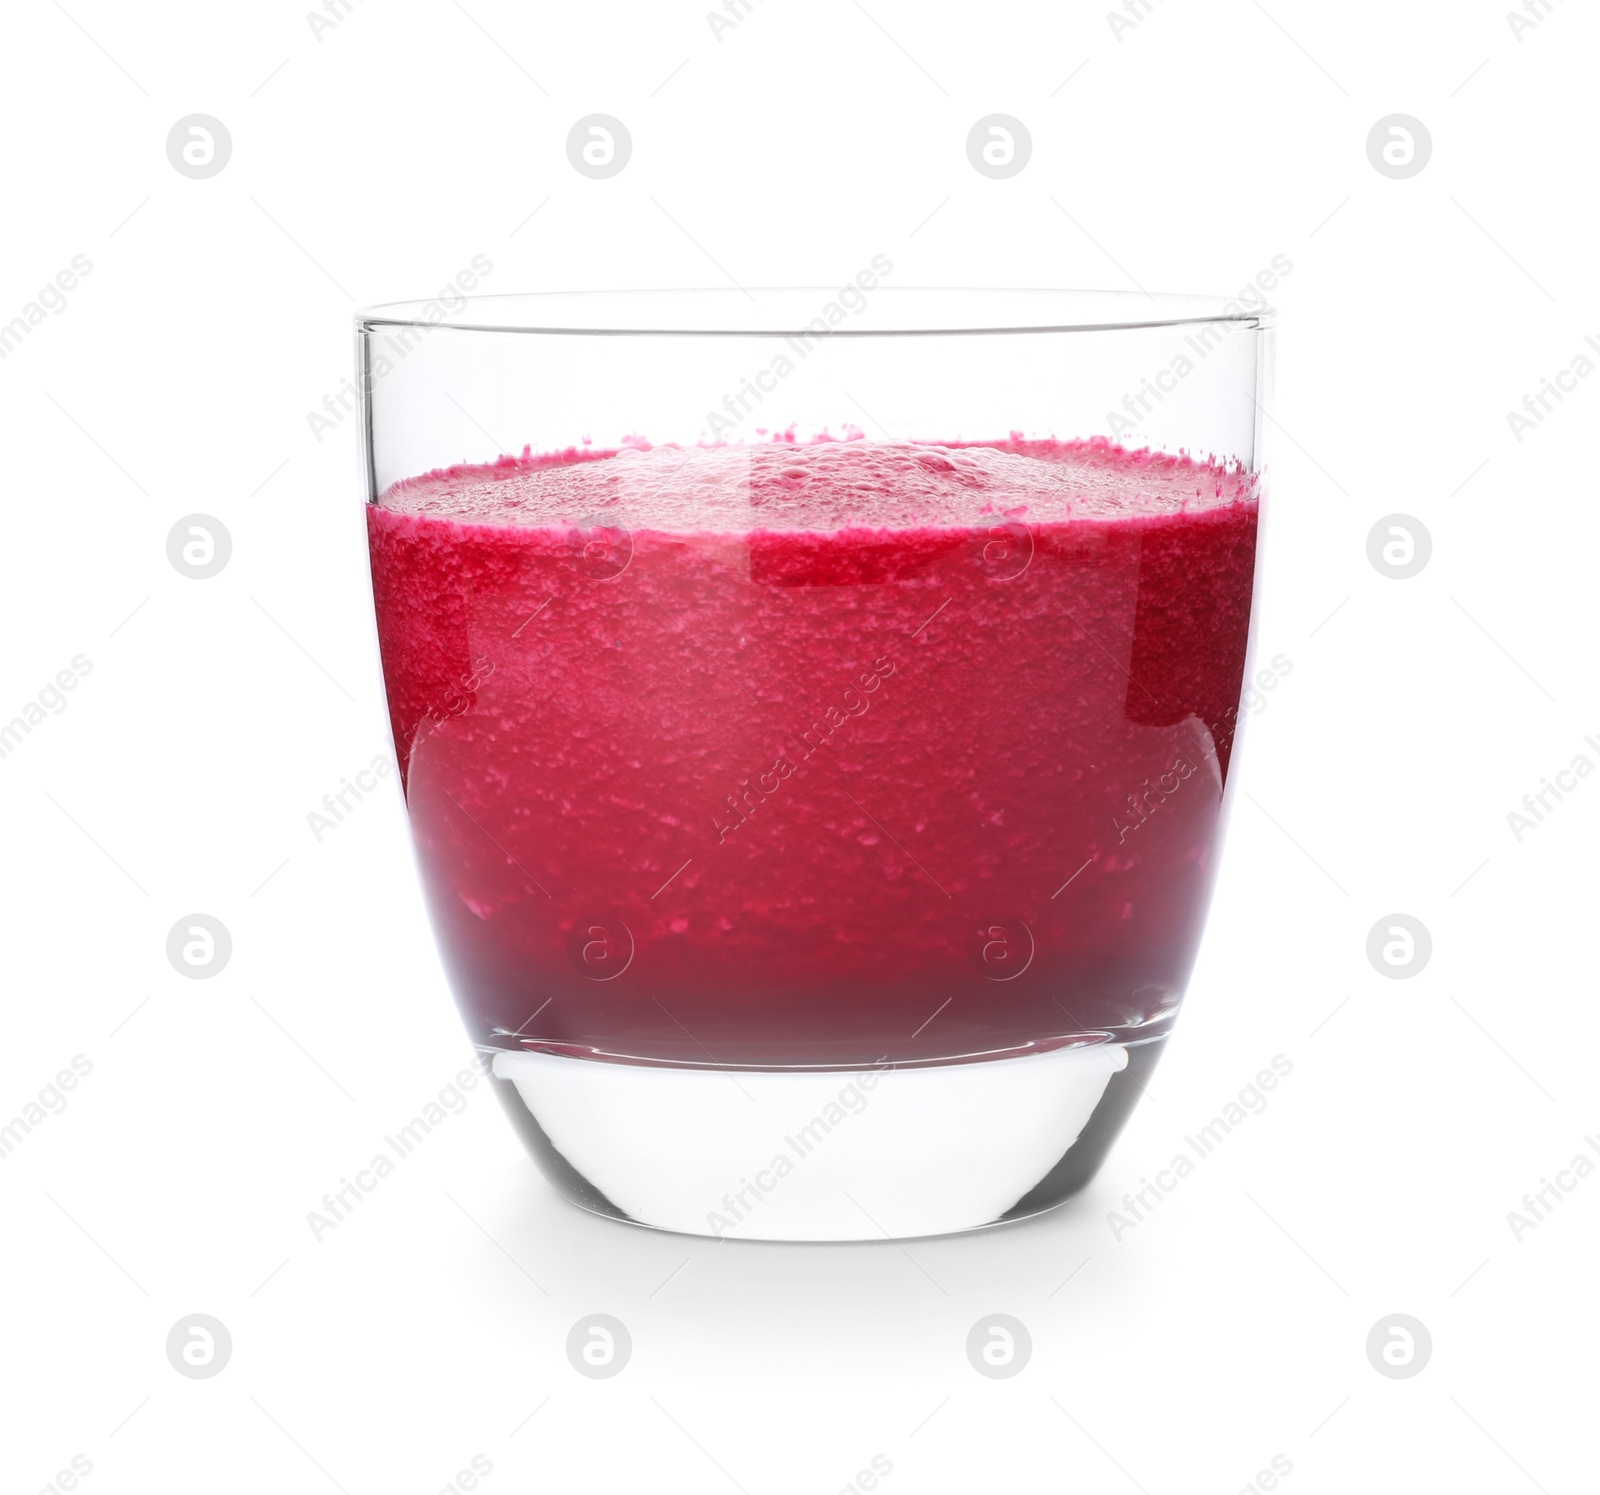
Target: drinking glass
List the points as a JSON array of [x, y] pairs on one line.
[[814, 709]]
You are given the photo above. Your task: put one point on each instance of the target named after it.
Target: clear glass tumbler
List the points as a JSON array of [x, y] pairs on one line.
[[814, 709]]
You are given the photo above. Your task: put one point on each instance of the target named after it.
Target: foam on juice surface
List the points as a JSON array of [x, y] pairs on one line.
[[820, 486]]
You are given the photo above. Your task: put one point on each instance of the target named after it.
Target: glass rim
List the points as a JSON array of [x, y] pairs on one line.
[[720, 311]]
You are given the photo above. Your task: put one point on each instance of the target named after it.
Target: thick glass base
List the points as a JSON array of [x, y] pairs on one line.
[[824, 1154]]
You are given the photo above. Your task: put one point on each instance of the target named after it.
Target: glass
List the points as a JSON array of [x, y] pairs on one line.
[[815, 740]]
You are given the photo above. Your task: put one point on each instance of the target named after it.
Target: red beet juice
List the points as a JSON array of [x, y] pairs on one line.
[[810, 754]]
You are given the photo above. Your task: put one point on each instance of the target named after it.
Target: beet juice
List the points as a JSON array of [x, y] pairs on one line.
[[801, 758], [838, 754]]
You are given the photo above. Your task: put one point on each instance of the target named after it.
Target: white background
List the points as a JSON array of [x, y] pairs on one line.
[[1229, 1326]]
